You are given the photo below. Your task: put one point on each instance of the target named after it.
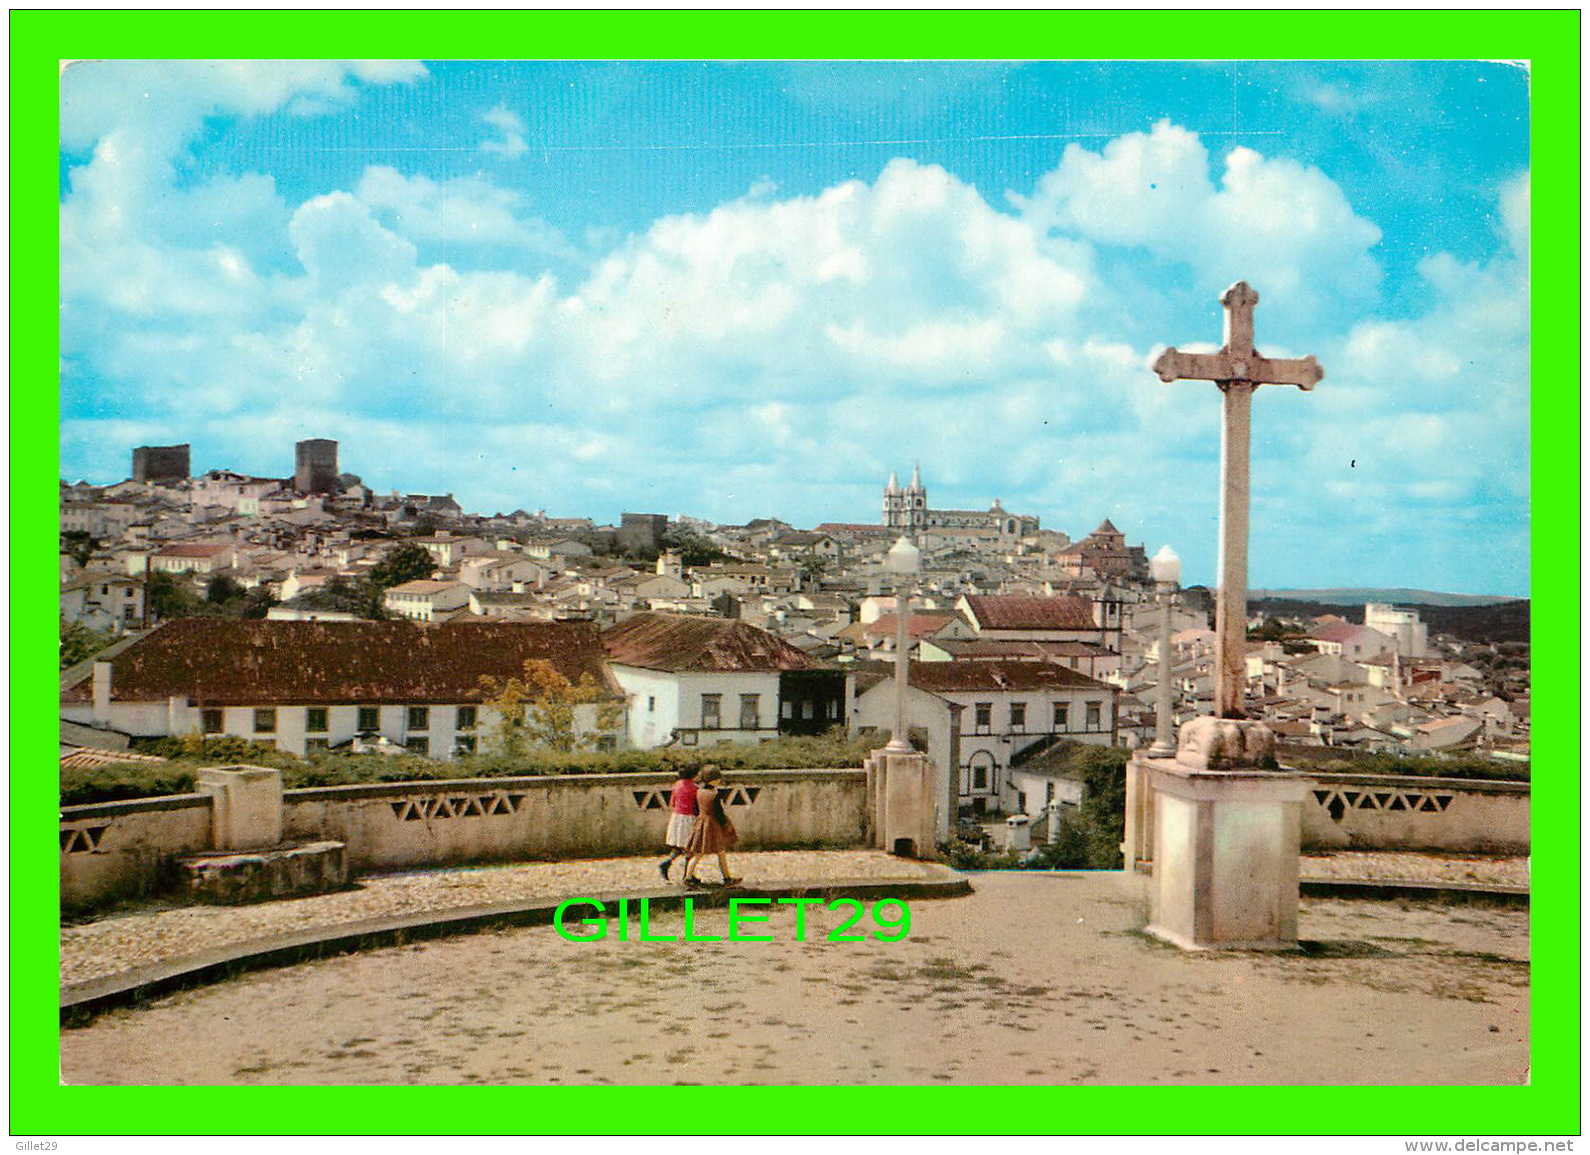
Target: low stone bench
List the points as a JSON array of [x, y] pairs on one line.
[[234, 877]]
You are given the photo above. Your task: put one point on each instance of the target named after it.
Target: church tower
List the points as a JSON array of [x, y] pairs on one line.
[[893, 504], [916, 503]]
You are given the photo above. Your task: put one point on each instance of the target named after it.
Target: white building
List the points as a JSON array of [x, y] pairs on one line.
[[980, 714], [426, 600], [1410, 634], [699, 681], [307, 686]]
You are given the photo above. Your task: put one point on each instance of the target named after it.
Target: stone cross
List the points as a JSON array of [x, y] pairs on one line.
[[1238, 368]]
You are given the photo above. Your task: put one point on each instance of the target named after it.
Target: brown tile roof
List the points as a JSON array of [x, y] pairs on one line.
[[917, 625], [1022, 612], [951, 677], [1018, 651], [217, 662], [193, 551], [677, 642]]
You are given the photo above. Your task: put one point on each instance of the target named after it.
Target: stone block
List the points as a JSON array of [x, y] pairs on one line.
[[259, 875], [1208, 743], [1225, 857], [246, 806]]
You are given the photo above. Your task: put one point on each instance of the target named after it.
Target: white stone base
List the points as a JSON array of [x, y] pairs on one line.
[[1225, 857], [901, 791]]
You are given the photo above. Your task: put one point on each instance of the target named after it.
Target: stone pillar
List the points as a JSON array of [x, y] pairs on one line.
[[1225, 840], [102, 675], [1137, 847], [246, 806], [901, 790], [1231, 608]]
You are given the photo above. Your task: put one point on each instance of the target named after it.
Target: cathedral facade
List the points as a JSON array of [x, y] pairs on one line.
[[906, 511]]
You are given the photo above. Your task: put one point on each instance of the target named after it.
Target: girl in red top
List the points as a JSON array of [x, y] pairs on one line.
[[681, 818]]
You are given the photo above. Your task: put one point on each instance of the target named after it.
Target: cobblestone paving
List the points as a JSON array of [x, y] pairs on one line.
[[123, 940]]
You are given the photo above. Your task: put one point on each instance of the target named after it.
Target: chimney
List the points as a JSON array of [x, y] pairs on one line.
[[102, 693]]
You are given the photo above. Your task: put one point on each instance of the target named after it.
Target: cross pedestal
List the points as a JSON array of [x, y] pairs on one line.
[[1220, 829], [1224, 857]]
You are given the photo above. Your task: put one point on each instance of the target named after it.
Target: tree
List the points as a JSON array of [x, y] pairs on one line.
[[551, 700], [169, 598], [223, 588], [79, 544], [405, 563], [79, 643], [691, 546]]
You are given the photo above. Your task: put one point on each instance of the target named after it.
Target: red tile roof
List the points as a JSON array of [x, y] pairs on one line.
[[216, 662], [678, 642], [951, 677], [1023, 612]]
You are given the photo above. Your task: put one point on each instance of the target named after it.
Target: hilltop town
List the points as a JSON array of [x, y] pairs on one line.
[[1020, 637]]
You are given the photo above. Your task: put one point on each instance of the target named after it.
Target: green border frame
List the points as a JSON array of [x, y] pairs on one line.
[[1548, 39]]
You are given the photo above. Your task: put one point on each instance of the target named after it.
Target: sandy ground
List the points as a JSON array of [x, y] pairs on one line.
[[1040, 979]]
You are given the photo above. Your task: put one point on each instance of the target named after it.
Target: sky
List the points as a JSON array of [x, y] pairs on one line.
[[754, 290]]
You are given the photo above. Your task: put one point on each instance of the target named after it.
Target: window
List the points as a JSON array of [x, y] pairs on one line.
[[651, 704], [1021, 801], [465, 744], [979, 777], [104, 591], [750, 711], [1018, 716], [806, 710], [265, 721], [1095, 709], [315, 720], [212, 721], [787, 711], [467, 719], [369, 719], [419, 717], [1062, 711], [985, 717], [711, 711], [833, 708], [316, 744], [420, 746]]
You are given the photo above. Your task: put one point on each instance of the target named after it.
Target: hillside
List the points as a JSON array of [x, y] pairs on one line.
[[1394, 595], [1493, 623]]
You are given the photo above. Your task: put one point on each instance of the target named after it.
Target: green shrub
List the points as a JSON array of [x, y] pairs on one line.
[[187, 754]]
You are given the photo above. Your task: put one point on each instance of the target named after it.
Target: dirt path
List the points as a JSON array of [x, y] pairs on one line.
[[1036, 979]]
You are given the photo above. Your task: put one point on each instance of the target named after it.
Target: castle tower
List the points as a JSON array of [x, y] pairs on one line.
[[315, 468]]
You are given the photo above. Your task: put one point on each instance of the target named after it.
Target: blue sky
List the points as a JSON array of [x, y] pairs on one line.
[[753, 290]]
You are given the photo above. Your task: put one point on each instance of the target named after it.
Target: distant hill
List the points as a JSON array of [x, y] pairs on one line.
[[1407, 597], [1491, 621]]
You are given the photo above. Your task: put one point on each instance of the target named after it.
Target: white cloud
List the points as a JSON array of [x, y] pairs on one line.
[[466, 210], [1285, 227], [510, 139]]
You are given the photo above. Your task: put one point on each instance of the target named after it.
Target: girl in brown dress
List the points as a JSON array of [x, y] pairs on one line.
[[713, 833]]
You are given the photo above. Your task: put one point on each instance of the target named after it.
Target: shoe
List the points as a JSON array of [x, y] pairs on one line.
[[662, 869], [695, 884], [732, 881]]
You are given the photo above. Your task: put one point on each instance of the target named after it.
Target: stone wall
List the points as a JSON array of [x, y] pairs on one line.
[[121, 849], [114, 850], [574, 816], [1387, 812]]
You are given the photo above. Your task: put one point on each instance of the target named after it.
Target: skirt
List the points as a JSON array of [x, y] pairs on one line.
[[711, 836], [679, 827]]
